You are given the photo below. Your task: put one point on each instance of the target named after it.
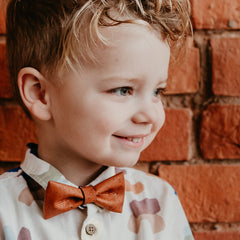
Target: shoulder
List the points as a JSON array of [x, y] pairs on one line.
[[151, 199], [149, 183], [14, 191], [10, 175], [11, 183], [132, 174]]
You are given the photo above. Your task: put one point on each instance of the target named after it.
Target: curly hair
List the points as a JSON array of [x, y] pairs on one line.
[[169, 18], [50, 35]]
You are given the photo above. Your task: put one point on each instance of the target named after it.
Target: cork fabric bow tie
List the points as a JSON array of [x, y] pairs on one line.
[[60, 198]]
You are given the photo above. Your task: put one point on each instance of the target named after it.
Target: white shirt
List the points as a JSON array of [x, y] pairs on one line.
[[151, 209]]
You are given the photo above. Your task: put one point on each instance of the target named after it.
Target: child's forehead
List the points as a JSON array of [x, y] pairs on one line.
[[127, 37], [130, 47], [124, 35], [120, 37], [126, 29]]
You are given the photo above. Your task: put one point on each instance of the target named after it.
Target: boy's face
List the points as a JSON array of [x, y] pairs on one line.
[[110, 112]]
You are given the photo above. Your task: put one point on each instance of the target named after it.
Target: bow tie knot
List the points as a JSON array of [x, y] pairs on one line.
[[108, 194], [89, 194]]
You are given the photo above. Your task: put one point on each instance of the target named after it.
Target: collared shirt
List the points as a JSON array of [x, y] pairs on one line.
[[151, 209]]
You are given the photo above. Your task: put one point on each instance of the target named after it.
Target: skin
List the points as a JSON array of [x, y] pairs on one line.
[[107, 113]]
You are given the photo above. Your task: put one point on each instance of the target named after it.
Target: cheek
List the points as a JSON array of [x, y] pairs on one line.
[[106, 124], [108, 116], [160, 119]]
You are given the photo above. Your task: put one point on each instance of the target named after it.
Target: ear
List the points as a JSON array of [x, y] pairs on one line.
[[32, 88]]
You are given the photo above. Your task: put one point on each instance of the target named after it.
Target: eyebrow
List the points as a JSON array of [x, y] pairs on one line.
[[118, 78], [163, 81], [121, 79]]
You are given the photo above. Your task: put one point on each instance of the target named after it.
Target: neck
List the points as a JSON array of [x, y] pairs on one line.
[[77, 170]]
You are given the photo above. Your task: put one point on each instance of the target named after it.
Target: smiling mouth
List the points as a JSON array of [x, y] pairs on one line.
[[131, 139], [134, 139]]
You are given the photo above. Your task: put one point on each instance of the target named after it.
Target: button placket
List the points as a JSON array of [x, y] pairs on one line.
[[92, 229]]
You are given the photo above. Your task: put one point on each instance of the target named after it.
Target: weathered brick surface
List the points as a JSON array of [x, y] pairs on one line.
[[226, 66], [2, 16], [184, 76], [217, 235], [216, 14], [220, 132], [207, 192], [173, 140], [15, 130], [5, 86]]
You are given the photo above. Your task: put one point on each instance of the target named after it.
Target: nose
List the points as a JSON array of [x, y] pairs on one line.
[[149, 113]]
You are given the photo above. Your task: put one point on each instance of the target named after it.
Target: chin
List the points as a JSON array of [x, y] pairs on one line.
[[127, 162]]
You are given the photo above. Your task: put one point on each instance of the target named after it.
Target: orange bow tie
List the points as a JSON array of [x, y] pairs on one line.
[[60, 198]]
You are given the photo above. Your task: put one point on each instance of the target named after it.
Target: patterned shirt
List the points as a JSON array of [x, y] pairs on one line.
[[151, 209]]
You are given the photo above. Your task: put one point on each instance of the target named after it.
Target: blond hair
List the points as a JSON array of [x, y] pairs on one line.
[[169, 18], [53, 34]]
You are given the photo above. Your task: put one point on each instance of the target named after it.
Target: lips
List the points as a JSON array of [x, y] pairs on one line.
[[135, 141]]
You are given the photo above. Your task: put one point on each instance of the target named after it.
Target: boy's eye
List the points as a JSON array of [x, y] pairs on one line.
[[158, 92], [122, 91]]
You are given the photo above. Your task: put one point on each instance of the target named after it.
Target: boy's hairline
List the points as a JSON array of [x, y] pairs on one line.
[[165, 26], [104, 42]]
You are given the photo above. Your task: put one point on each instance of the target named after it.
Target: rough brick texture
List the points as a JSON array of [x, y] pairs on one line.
[[220, 132], [209, 73], [184, 76], [216, 14], [16, 130], [2, 16], [173, 140], [226, 66], [217, 235], [208, 192], [5, 86]]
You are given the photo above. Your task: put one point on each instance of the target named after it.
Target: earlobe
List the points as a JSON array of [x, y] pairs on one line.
[[32, 88]]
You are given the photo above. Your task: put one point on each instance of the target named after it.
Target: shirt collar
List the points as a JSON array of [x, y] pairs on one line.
[[42, 172]]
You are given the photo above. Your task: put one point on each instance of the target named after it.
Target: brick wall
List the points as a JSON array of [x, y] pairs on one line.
[[198, 149]]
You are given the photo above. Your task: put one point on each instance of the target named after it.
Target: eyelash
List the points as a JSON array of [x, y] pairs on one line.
[[159, 92], [125, 91]]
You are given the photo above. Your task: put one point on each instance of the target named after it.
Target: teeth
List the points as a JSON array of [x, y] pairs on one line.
[[135, 140]]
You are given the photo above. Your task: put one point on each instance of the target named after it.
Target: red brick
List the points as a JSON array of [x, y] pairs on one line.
[[5, 86], [216, 14], [2, 16], [217, 235], [220, 132], [173, 140], [226, 66], [208, 193], [184, 76], [16, 131]]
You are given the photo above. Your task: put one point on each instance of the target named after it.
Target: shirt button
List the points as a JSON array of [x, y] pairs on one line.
[[90, 229]]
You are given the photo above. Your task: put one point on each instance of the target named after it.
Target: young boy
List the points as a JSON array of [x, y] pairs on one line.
[[90, 74]]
